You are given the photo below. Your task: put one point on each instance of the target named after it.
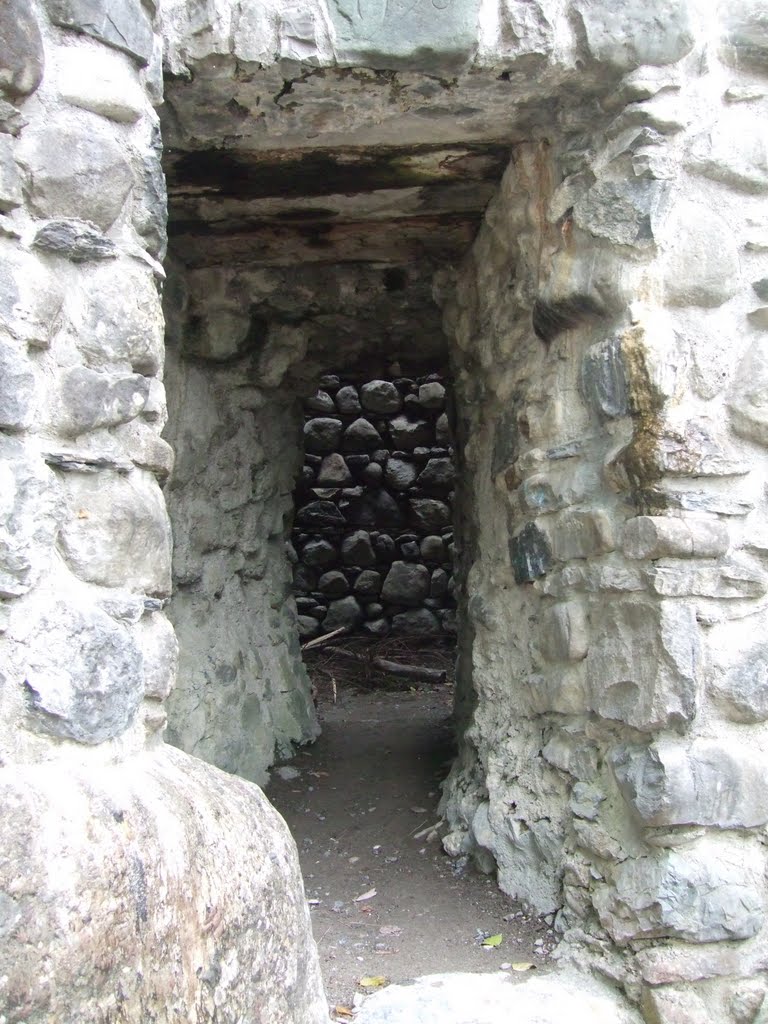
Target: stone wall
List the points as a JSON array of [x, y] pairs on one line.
[[136, 883], [611, 404], [608, 335], [243, 695], [373, 529]]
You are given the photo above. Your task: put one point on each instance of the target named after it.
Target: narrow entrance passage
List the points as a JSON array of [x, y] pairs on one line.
[[362, 806]]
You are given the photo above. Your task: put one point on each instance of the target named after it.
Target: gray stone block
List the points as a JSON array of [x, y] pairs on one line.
[[564, 632], [702, 267], [347, 400], [321, 401], [672, 537], [745, 34], [742, 688], [122, 24], [17, 387], [344, 612], [116, 531], [432, 395], [29, 517], [603, 379], [21, 48], [368, 584], [703, 782], [122, 320], [150, 205], [333, 584], [83, 672], [319, 514], [732, 153], [110, 88], [322, 434], [624, 34], [580, 535], [319, 553], [356, 549], [380, 396], [334, 471], [76, 168], [400, 473], [89, 399], [622, 212], [433, 36], [10, 182], [160, 653], [643, 663], [709, 892], [406, 583], [76, 240], [429, 514], [438, 473], [361, 436]]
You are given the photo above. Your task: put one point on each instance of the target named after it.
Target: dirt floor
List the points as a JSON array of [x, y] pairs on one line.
[[386, 901]]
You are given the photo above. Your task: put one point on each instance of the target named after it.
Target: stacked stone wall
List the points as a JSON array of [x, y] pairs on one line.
[[373, 530], [133, 879], [613, 494]]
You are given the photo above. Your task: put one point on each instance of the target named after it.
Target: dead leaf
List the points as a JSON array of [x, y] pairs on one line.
[[343, 1011], [365, 896], [492, 940], [83, 513], [372, 981], [522, 966]]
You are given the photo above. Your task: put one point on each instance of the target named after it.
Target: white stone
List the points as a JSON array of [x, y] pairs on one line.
[[116, 531], [565, 633], [702, 265], [95, 79], [480, 998], [673, 537]]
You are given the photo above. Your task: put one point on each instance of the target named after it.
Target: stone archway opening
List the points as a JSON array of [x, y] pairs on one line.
[[293, 256]]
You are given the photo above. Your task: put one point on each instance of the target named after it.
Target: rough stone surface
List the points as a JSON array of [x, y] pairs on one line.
[[21, 45], [626, 37], [705, 894], [406, 584], [77, 168], [123, 25], [707, 782], [76, 240], [18, 387], [30, 509], [471, 998], [83, 672], [115, 531], [380, 396], [149, 864]]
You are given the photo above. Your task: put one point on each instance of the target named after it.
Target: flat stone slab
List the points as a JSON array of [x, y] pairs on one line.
[[492, 998]]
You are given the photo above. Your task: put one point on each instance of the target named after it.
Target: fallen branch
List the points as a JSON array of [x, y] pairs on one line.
[[323, 639], [394, 668]]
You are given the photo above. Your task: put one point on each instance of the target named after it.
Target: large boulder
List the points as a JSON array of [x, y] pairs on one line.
[[162, 889]]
